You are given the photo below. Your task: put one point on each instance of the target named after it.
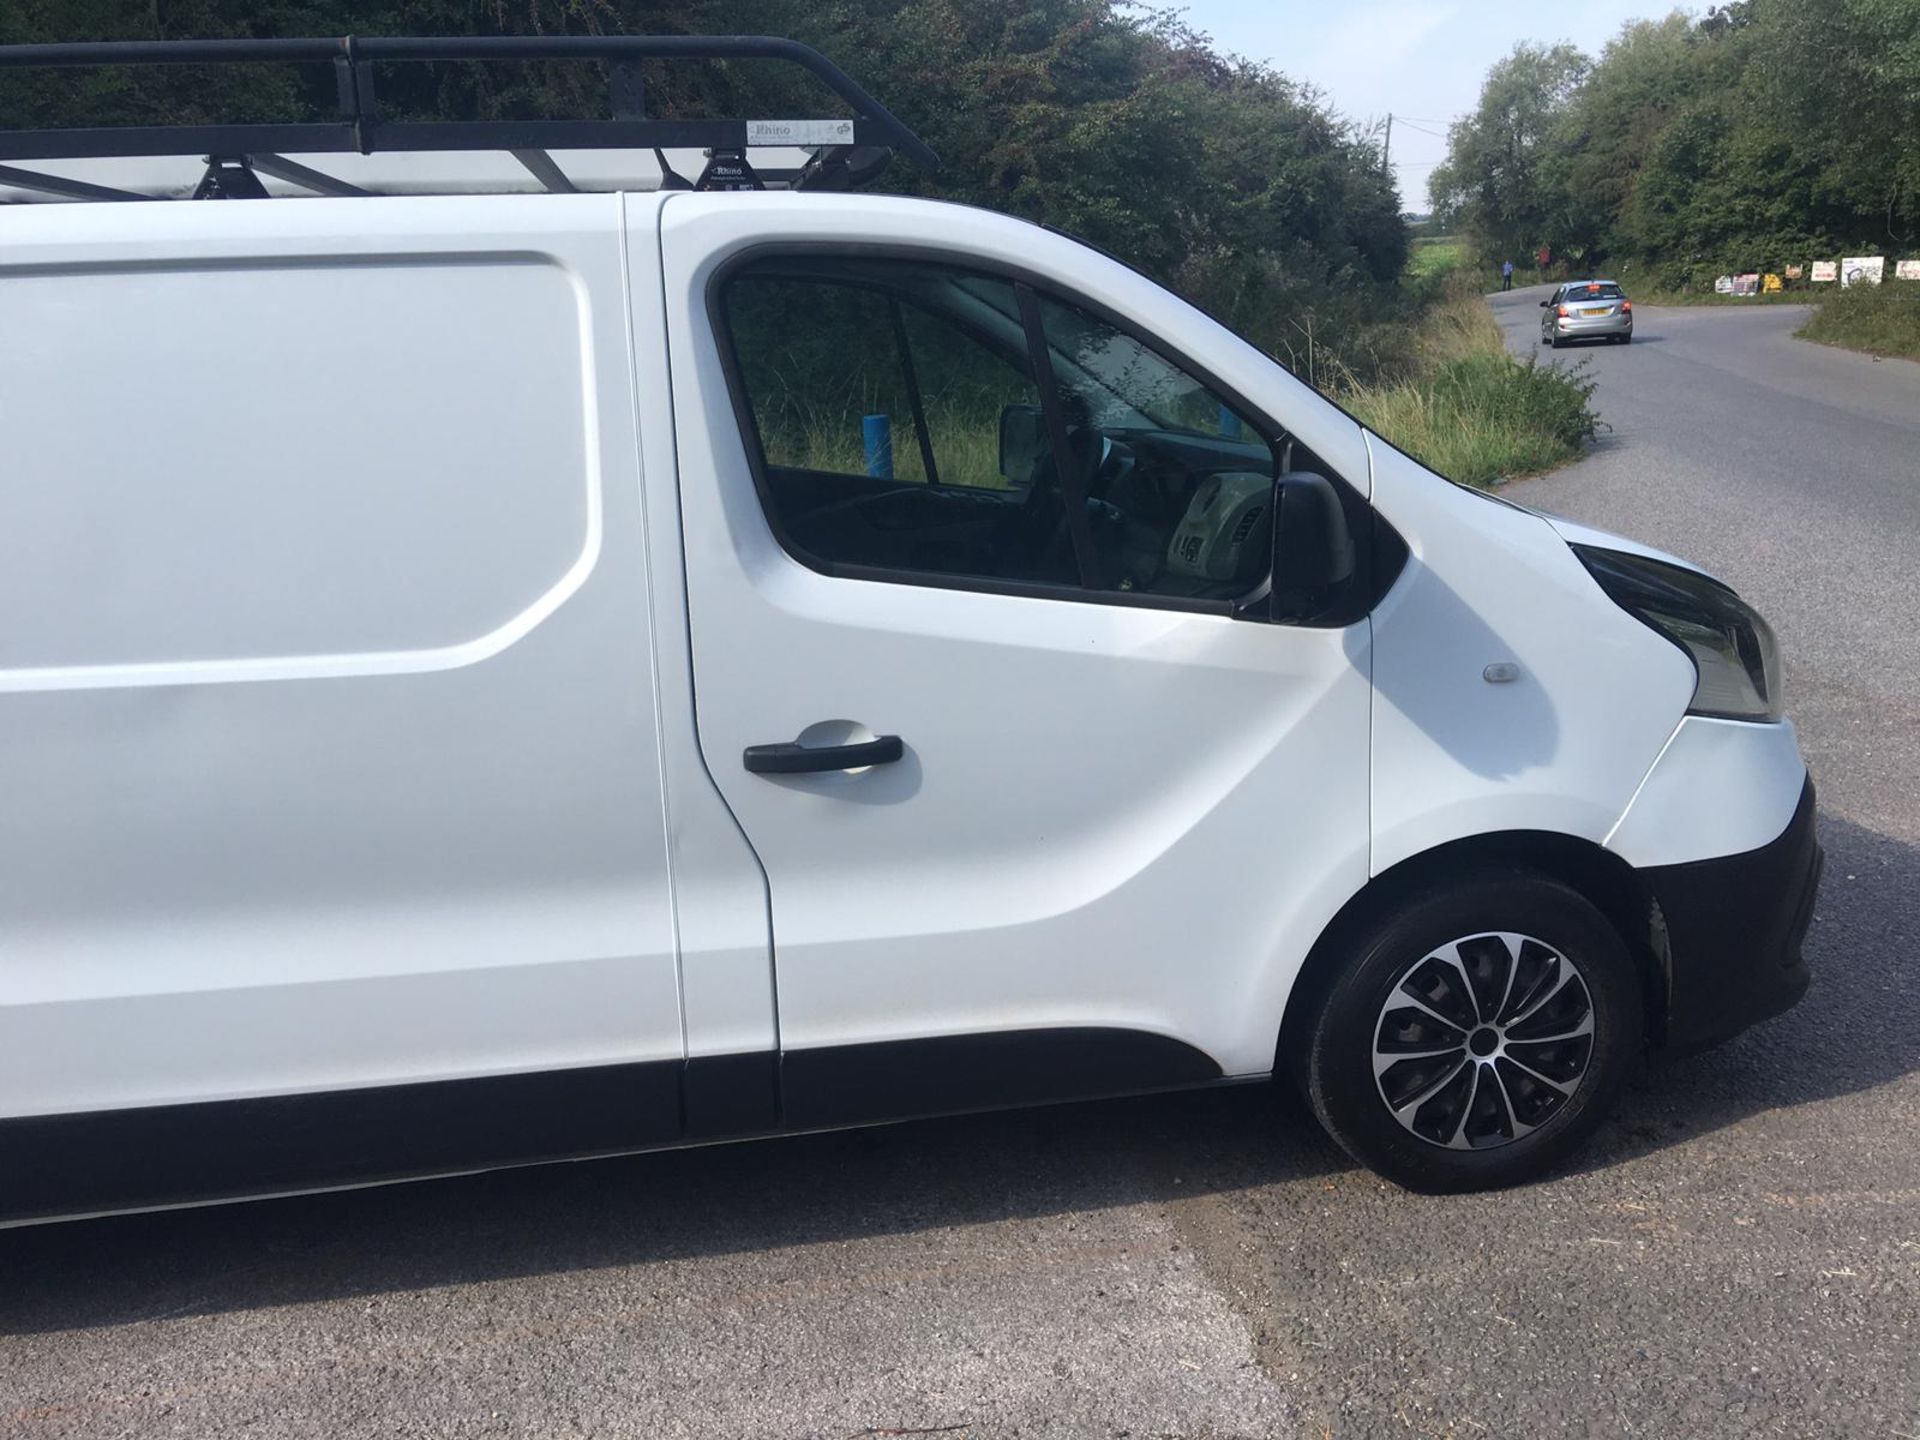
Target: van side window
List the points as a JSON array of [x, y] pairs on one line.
[[832, 385], [918, 421]]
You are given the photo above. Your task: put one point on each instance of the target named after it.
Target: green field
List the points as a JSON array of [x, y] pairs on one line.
[[1435, 254]]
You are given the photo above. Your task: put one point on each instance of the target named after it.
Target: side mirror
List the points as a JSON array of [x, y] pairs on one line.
[[1312, 546], [1023, 442], [1545, 303]]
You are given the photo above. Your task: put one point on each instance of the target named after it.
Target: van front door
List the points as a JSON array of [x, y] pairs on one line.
[[1086, 815]]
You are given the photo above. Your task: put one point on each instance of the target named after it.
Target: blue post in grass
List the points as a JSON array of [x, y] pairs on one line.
[[1229, 424], [877, 430]]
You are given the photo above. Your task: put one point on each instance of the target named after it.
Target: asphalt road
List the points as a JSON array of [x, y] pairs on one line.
[[1738, 1256]]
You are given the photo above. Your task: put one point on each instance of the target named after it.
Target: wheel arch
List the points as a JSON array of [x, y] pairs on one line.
[[1602, 878]]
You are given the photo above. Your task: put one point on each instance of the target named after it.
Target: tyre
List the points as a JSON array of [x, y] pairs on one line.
[[1627, 339], [1478, 1035], [1554, 341]]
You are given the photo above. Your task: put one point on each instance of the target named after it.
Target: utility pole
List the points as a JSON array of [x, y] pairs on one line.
[[1386, 146]]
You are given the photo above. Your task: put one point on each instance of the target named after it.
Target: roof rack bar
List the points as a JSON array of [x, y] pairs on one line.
[[363, 131], [565, 135], [299, 139], [170, 52], [353, 79], [540, 165], [294, 173], [318, 138], [60, 185], [670, 178]]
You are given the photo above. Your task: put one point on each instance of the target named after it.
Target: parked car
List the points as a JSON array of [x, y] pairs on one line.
[[1587, 310], [503, 677]]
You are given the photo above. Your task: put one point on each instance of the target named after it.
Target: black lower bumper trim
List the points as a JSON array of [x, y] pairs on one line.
[[1734, 928]]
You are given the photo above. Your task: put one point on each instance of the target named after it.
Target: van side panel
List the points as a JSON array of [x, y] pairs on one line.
[[216, 467], [1561, 745], [327, 718]]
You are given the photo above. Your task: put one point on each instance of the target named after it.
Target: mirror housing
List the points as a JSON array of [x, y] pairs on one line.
[[1545, 303], [1313, 550], [1024, 445]]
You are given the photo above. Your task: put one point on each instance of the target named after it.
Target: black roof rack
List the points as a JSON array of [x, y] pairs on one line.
[[845, 151]]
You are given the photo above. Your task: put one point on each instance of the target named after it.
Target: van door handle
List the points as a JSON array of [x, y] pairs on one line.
[[791, 759]]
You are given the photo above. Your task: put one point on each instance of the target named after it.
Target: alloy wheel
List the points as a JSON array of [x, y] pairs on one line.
[[1483, 1040]]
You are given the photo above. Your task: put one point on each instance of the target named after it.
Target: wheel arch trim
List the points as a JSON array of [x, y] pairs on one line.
[[1602, 878]]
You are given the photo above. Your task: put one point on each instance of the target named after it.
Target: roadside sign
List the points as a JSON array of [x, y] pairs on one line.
[[1771, 284], [1748, 284], [1794, 272], [1862, 270], [1906, 270], [1825, 271], [1723, 285]]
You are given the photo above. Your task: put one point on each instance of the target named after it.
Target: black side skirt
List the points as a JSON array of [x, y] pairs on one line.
[[167, 1154], [173, 1154], [900, 1079]]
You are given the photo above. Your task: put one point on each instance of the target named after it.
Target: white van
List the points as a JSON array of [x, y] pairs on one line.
[[489, 678]]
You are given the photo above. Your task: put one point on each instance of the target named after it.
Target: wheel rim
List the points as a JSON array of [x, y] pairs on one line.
[[1483, 1040]]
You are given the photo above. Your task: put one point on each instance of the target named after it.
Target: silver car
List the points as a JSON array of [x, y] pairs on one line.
[[1586, 310]]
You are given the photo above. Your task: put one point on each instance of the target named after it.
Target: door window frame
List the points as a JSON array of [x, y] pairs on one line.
[[1026, 283]]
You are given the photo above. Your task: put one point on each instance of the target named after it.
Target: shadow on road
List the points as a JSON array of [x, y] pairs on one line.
[[1588, 347], [1858, 1028], [672, 1205]]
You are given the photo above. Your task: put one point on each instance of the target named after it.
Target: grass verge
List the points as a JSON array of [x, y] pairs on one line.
[[1879, 319], [1468, 408]]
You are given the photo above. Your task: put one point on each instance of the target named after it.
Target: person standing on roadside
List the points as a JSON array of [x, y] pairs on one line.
[[1506, 274]]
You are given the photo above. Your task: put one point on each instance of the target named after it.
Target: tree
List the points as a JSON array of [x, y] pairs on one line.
[[1218, 176], [1599, 141], [1491, 179], [1767, 132], [1844, 79]]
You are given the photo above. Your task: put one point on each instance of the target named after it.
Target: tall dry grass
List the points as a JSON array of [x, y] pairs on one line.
[[1466, 407]]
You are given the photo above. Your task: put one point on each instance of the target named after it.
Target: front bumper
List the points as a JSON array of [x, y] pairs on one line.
[[1732, 930]]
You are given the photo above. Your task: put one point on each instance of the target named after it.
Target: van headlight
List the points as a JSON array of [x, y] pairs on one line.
[[1732, 648]]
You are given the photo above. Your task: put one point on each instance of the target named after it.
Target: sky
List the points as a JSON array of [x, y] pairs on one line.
[[1421, 60]]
